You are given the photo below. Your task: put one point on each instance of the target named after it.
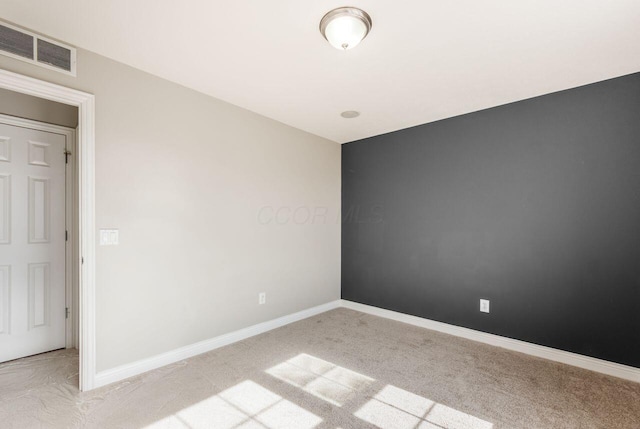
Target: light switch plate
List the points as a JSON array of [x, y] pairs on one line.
[[484, 305], [108, 237]]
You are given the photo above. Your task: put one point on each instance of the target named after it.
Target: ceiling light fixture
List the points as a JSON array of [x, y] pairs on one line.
[[345, 27]]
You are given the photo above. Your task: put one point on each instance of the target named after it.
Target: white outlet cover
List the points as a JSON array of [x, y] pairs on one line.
[[484, 305], [262, 298]]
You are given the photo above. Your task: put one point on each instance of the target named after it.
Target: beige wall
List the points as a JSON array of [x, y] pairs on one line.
[[184, 177], [26, 106]]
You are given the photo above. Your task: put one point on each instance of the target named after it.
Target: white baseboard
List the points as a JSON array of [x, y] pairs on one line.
[[129, 370], [593, 364]]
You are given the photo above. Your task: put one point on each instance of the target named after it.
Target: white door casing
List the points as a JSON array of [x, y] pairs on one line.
[[85, 185], [32, 241]]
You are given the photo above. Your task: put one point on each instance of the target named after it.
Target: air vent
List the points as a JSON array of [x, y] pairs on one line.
[[16, 43], [35, 49]]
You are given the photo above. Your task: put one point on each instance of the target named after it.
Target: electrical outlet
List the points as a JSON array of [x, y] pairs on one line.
[[262, 298], [484, 305]]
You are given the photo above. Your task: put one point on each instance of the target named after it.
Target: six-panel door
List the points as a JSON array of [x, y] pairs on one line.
[[32, 241]]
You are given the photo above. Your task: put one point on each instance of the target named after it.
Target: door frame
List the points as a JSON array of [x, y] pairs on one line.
[[85, 183], [70, 219]]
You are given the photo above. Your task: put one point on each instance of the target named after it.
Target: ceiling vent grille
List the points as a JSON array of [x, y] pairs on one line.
[[35, 49]]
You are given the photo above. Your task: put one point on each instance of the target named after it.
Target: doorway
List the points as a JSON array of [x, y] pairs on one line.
[[38, 285], [85, 185]]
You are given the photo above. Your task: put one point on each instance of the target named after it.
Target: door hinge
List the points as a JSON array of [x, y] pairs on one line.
[[66, 156], [66, 236], [66, 312]]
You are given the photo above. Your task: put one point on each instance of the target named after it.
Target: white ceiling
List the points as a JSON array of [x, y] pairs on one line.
[[424, 60]]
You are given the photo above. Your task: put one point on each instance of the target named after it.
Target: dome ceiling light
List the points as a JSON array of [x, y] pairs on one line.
[[345, 27]]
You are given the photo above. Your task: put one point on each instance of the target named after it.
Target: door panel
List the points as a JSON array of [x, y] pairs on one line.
[[5, 208], [32, 241], [5, 278], [39, 210]]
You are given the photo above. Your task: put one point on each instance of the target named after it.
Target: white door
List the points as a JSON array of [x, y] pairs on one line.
[[32, 241]]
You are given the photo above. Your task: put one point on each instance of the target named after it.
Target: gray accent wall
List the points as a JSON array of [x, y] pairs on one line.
[[533, 205]]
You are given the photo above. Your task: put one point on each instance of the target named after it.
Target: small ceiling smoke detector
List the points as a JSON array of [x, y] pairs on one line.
[[345, 27], [349, 114]]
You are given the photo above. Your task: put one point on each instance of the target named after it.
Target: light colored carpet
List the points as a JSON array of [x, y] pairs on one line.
[[342, 369]]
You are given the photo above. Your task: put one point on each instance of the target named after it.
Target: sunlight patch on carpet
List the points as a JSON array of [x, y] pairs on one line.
[[320, 378], [245, 405], [395, 408]]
